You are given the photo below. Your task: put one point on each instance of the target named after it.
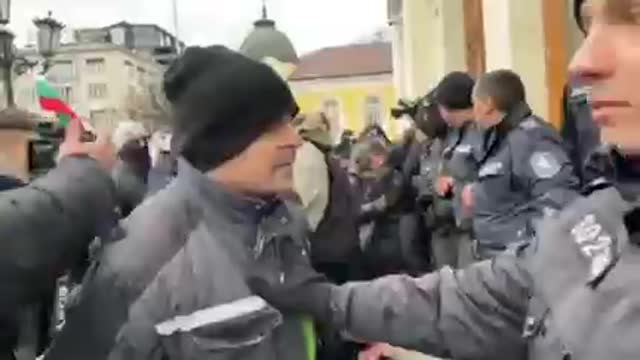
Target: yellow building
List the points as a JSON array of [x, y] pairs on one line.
[[352, 84]]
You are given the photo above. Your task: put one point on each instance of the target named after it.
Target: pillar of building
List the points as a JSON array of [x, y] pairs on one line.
[[515, 39], [433, 42]]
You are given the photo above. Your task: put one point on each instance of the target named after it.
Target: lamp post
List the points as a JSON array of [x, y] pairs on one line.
[[49, 33]]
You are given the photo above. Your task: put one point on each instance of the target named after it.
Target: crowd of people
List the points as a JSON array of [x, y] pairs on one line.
[[248, 233]]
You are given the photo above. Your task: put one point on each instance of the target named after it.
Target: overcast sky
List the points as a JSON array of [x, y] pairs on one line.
[[307, 22]]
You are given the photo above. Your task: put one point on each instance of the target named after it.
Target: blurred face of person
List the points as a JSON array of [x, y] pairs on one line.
[[266, 166], [609, 62], [485, 113], [454, 118]]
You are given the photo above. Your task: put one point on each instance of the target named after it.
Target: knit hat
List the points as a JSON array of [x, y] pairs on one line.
[[454, 91], [222, 101]]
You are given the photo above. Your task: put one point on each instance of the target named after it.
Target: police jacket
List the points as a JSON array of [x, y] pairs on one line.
[[44, 228], [570, 294], [460, 161], [524, 172], [173, 286]]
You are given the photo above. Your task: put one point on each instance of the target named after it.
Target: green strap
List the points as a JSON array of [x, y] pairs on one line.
[[309, 333]]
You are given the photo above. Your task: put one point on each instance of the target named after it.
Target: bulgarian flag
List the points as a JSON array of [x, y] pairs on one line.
[[51, 100]]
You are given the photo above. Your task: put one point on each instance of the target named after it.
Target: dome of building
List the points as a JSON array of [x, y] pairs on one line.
[[266, 41]]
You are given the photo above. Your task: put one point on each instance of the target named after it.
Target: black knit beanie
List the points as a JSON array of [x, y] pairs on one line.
[[454, 91], [222, 101]]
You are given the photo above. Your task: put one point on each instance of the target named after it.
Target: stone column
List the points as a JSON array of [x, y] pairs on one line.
[[433, 38], [515, 39]]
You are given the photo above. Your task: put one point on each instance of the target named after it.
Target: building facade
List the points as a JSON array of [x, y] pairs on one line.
[[103, 82], [535, 38], [158, 42], [352, 84]]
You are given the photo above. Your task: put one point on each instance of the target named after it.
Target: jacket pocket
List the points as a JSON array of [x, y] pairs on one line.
[[234, 326]]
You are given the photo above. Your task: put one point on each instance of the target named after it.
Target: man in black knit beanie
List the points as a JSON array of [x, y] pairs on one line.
[[172, 284]]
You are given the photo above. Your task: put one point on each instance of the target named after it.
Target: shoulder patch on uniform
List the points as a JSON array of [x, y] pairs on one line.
[[597, 245], [545, 165]]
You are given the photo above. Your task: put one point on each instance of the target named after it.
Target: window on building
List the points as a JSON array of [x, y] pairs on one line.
[[373, 111], [131, 70], [142, 76], [146, 36], [66, 92], [97, 91], [61, 72], [95, 65], [118, 36], [98, 117], [394, 11]]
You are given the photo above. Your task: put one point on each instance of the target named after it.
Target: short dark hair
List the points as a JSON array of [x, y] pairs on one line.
[[454, 91], [504, 87]]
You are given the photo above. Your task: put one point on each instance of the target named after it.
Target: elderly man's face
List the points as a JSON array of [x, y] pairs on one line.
[[609, 61], [265, 166]]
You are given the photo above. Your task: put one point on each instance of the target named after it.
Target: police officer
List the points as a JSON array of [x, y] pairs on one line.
[[571, 294], [523, 159], [579, 131], [458, 167]]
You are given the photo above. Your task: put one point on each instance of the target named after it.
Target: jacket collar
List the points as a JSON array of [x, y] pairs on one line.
[[215, 198]]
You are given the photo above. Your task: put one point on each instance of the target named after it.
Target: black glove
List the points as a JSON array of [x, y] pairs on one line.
[[282, 275]]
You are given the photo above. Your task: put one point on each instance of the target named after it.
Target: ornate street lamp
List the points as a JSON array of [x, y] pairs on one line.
[[49, 34], [5, 11]]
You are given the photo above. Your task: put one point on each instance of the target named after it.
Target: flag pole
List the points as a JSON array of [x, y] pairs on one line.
[[174, 3]]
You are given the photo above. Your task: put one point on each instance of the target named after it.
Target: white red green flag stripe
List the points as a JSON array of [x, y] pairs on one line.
[[51, 100]]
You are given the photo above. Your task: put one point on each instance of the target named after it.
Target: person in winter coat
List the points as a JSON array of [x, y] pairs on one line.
[[163, 165], [172, 284], [46, 225], [323, 187], [571, 294], [134, 161]]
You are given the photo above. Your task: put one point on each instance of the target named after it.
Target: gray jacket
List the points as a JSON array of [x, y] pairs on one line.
[[173, 286], [460, 161], [45, 227], [525, 172], [571, 295]]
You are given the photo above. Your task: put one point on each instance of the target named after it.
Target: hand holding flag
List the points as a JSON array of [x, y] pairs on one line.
[[102, 150]]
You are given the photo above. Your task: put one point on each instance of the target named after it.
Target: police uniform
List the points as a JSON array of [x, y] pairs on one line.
[[523, 164], [572, 293], [580, 133], [451, 241]]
